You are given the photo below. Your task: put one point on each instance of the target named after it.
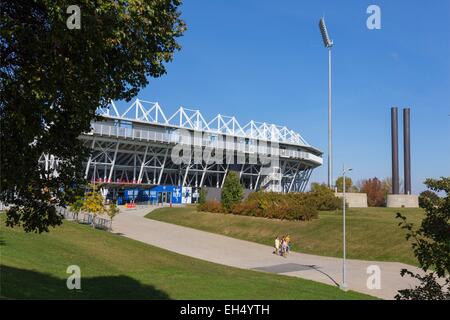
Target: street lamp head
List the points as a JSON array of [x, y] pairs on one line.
[[345, 170], [325, 37]]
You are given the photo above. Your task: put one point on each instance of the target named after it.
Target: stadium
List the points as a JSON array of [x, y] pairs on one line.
[[132, 154]]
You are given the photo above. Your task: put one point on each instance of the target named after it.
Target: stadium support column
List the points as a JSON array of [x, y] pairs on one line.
[[294, 177], [394, 142], [113, 162], [224, 176], [141, 171], [162, 167], [186, 172], [258, 178], [90, 159], [407, 150]]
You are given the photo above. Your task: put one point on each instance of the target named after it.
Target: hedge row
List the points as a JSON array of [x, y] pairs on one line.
[[291, 206]]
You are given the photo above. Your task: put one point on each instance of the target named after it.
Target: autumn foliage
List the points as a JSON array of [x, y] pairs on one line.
[[376, 192], [272, 205]]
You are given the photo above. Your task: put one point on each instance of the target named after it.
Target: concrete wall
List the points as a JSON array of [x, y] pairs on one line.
[[354, 200], [402, 201]]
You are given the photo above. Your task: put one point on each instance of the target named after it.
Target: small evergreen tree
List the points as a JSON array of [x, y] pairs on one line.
[[232, 191], [202, 196]]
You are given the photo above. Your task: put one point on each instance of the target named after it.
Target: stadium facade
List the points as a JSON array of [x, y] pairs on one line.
[[167, 158]]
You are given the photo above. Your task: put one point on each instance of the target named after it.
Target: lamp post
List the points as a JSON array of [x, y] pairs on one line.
[[343, 285], [328, 43]]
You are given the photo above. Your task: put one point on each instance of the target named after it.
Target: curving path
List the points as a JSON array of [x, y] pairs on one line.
[[249, 255]]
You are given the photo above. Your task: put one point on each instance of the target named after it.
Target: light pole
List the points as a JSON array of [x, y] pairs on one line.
[[328, 44], [343, 285]]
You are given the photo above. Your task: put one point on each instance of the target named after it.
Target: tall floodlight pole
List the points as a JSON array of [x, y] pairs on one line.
[[328, 44], [343, 285]]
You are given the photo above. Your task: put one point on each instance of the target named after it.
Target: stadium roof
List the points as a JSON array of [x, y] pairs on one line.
[[152, 113]]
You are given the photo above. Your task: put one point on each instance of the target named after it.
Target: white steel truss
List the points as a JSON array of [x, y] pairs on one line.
[[151, 112]]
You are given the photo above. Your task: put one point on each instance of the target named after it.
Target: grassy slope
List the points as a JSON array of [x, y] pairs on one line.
[[34, 266], [372, 233]]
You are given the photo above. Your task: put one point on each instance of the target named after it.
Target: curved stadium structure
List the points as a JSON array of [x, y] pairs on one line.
[[140, 149]]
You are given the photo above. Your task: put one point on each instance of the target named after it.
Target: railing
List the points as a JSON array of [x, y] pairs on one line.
[[174, 138], [85, 218]]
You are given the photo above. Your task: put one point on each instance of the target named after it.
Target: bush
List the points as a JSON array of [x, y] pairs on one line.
[[426, 196], [211, 206], [271, 205], [247, 208], [324, 198]]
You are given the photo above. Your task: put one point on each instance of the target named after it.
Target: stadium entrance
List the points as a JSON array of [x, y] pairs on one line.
[[152, 195], [164, 197]]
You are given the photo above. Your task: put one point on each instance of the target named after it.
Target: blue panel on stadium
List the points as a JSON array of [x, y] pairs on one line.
[[159, 194]]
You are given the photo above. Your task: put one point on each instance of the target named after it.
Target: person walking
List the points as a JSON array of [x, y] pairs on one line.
[[284, 247], [277, 245], [288, 242]]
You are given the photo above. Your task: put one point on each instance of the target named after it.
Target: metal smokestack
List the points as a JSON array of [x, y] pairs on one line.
[[394, 137], [407, 149]]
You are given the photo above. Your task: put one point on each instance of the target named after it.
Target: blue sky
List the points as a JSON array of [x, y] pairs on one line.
[[264, 60]]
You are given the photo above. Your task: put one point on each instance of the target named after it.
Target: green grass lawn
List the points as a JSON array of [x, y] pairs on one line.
[[33, 266], [372, 233]]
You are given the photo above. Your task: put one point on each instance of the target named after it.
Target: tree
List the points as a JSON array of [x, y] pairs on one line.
[[431, 246], [76, 206], [54, 78], [376, 192], [94, 204], [202, 196], [348, 184], [232, 191], [112, 211], [387, 183], [427, 194]]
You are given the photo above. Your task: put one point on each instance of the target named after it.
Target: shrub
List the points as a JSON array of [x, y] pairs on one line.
[[211, 206], [426, 196], [324, 198], [247, 208], [271, 205]]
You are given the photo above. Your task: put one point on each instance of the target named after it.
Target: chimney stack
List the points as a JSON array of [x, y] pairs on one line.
[[407, 149], [394, 138]]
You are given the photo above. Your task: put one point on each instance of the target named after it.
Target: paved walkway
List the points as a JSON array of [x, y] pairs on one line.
[[249, 255]]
